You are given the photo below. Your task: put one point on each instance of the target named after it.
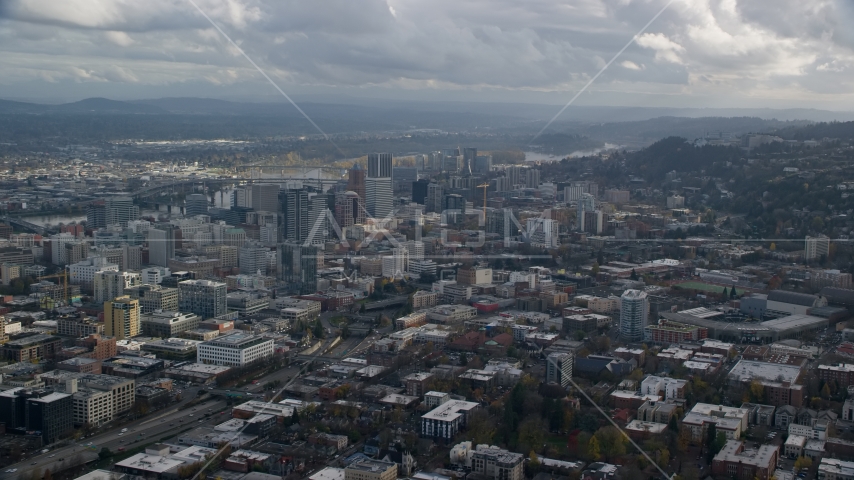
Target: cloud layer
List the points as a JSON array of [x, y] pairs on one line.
[[698, 53]]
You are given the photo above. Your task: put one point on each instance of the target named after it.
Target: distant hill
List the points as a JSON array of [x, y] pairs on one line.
[[89, 105], [817, 131]]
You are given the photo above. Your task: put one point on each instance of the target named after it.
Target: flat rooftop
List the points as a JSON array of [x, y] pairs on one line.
[[747, 370], [150, 463], [450, 410], [760, 457]]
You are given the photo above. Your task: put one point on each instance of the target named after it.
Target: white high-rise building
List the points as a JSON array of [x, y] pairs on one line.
[[395, 264], [415, 248], [57, 247], [154, 275], [634, 308], [559, 368], [543, 232], [83, 272], [379, 200], [815, 247], [573, 192]]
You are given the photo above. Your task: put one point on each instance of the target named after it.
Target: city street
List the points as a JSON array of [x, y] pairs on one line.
[[139, 432]]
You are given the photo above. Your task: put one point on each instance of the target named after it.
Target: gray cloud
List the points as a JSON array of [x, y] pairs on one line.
[[708, 51]]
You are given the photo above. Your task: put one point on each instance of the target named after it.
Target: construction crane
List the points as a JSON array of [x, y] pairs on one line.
[[484, 186], [64, 276]]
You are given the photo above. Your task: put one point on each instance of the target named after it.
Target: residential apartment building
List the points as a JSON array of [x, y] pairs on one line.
[[121, 318], [446, 420], [736, 461], [559, 368], [205, 298], [369, 469]]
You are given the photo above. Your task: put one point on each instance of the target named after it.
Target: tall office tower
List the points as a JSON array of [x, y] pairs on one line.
[[543, 232], [205, 298], [454, 208], [161, 245], [452, 163], [265, 198], [298, 267], [318, 219], [419, 191], [532, 178], [378, 185], [379, 199], [96, 214], [587, 203], [57, 247], [514, 175], [294, 226], [348, 209], [47, 411], [195, 204], [559, 368], [379, 165], [108, 284], [482, 164], [120, 210], [634, 308], [816, 247], [356, 180], [242, 197], [121, 317], [253, 259], [268, 235], [469, 157], [415, 249], [435, 197]]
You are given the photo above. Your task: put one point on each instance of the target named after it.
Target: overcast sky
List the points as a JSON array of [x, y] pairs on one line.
[[698, 53]]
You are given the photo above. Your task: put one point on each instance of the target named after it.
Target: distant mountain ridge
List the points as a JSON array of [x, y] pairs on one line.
[[575, 114]]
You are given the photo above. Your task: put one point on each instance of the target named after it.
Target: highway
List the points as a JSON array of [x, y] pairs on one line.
[[140, 432]]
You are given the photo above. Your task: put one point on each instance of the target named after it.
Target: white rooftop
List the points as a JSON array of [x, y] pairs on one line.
[[746, 370]]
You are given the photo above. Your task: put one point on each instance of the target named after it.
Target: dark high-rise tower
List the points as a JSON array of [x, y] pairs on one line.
[[379, 165], [195, 204], [419, 191], [294, 221], [469, 157], [356, 182]]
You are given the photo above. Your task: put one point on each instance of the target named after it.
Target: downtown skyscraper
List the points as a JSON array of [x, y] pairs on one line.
[[378, 186]]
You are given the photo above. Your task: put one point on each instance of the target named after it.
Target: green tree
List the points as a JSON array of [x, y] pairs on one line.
[[634, 275], [464, 359], [803, 463], [726, 292], [105, 453], [611, 441], [673, 425]]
